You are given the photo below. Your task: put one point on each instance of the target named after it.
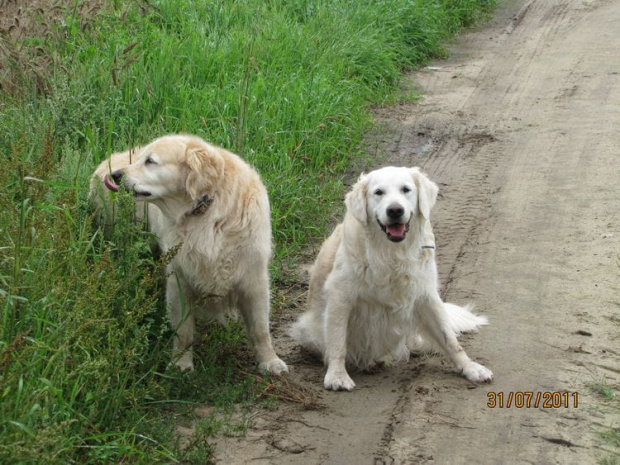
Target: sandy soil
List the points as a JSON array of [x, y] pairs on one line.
[[521, 129]]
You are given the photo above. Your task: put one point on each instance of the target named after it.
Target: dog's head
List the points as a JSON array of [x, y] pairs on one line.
[[176, 166], [391, 198]]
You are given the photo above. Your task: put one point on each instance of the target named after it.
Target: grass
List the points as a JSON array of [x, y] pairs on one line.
[[84, 341], [610, 434], [608, 394]]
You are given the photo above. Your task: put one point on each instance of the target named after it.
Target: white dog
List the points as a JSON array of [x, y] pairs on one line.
[[373, 289], [214, 207]]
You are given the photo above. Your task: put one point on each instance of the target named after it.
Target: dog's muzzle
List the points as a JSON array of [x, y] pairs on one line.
[[396, 232], [115, 183]]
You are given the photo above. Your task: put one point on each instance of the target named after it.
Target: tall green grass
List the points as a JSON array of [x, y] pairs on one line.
[[288, 85]]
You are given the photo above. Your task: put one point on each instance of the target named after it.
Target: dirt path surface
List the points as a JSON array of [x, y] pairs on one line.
[[521, 130]]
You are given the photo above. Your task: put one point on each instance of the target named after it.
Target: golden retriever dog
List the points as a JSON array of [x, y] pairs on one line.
[[213, 206], [373, 293]]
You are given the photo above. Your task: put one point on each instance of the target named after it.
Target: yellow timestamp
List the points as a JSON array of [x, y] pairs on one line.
[[533, 399]]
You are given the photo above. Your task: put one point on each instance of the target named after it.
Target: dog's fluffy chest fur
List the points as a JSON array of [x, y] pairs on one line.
[[394, 284], [210, 275], [207, 265], [395, 277], [383, 315]]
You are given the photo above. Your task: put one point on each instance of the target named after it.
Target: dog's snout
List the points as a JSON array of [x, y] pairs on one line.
[[395, 211], [117, 176]]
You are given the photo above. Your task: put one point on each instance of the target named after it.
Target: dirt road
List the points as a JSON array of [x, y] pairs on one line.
[[521, 129]]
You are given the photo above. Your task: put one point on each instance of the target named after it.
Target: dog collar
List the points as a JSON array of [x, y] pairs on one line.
[[203, 204]]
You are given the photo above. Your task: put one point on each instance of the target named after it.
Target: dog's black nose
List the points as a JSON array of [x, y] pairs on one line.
[[117, 176], [395, 211]]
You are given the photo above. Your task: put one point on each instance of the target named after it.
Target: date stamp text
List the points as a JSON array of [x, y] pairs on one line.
[[533, 399]]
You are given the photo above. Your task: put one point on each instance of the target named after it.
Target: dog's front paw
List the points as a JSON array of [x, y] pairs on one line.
[[274, 366], [477, 373], [338, 381], [185, 362]]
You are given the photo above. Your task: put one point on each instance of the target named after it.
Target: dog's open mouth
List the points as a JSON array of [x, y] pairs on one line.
[[110, 184], [395, 232], [141, 193]]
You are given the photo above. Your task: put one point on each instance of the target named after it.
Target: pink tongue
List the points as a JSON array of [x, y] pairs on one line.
[[109, 184], [396, 230]]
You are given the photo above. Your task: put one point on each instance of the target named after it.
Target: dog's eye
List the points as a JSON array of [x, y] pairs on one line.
[[379, 192], [149, 161], [406, 189]]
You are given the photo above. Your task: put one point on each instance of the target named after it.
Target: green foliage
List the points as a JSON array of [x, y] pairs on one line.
[[610, 434], [84, 342]]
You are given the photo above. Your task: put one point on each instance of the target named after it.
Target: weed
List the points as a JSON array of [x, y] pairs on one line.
[[603, 389], [610, 434]]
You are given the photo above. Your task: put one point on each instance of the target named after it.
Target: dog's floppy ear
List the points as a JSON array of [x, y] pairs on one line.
[[356, 199], [206, 170], [427, 192]]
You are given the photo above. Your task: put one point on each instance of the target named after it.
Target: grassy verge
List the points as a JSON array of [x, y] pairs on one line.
[[608, 395], [609, 434], [287, 85]]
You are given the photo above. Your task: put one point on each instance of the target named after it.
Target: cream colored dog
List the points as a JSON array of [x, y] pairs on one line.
[[373, 289], [213, 205]]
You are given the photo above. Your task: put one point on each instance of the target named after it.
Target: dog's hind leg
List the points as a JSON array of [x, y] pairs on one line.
[[179, 298], [434, 321], [253, 305]]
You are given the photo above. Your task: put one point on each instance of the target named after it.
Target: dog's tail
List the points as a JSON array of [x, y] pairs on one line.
[[462, 320], [304, 330]]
